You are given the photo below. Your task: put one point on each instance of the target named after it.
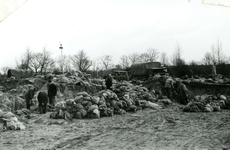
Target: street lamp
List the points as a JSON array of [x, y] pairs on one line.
[[61, 58]]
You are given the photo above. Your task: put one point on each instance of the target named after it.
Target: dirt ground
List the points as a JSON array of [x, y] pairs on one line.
[[170, 128]]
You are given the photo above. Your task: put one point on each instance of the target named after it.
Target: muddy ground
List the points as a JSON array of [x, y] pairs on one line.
[[170, 128]]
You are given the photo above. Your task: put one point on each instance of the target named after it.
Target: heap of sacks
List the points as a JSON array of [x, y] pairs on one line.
[[129, 98], [81, 79], [208, 103], [199, 80], [11, 102], [10, 121]]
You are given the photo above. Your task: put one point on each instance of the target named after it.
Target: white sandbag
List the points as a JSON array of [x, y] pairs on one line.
[[61, 104], [95, 113], [95, 99], [150, 104], [222, 97], [13, 124]]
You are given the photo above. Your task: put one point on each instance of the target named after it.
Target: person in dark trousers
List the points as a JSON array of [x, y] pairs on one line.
[[182, 92], [169, 87], [42, 102], [29, 96], [52, 92], [109, 81]]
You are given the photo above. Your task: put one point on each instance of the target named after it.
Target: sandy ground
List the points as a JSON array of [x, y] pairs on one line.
[[148, 129]]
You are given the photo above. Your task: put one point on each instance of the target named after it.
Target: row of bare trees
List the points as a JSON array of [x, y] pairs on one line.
[[38, 62], [42, 62], [216, 55]]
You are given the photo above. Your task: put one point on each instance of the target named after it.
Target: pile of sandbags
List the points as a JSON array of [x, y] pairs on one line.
[[77, 82], [10, 121], [208, 103], [9, 102], [135, 91], [125, 98], [82, 106]]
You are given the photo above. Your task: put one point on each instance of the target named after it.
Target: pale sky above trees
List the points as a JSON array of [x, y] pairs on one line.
[[116, 28]]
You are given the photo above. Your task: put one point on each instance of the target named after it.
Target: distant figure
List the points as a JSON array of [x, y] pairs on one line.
[[29, 96], [182, 92], [109, 81], [42, 102], [169, 87], [214, 70], [52, 92]]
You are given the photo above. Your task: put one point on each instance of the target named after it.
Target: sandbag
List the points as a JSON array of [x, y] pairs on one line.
[[79, 106], [95, 114], [208, 108], [78, 99], [222, 97], [70, 102], [60, 104], [152, 105], [84, 102], [91, 108], [83, 112], [78, 115], [95, 99], [13, 125], [85, 94], [88, 98]]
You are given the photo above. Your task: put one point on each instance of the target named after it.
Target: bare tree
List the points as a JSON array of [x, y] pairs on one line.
[[46, 62], [208, 59], [81, 61], [213, 54], [35, 62], [220, 57], [152, 54], [176, 58], [106, 61], [143, 58], [124, 61], [64, 63], [216, 55], [164, 59], [5, 69], [149, 56], [95, 65], [134, 58], [25, 60]]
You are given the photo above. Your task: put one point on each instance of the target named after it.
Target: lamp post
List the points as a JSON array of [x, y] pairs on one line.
[[61, 58]]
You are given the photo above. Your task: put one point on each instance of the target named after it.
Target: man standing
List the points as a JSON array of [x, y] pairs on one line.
[[52, 92], [169, 87], [182, 93], [109, 81], [214, 70]]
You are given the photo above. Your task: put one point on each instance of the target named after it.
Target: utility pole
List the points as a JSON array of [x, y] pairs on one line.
[[61, 58]]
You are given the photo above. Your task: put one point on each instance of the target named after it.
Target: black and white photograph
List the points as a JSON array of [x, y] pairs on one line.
[[115, 74]]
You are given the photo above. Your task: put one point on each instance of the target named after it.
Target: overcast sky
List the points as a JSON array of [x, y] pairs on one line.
[[114, 27]]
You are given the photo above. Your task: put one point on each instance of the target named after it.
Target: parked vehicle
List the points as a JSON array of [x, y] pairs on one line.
[[145, 70], [120, 75]]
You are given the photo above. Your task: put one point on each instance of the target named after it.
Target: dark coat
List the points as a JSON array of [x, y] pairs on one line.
[[42, 102], [52, 90], [108, 82], [182, 94], [29, 96]]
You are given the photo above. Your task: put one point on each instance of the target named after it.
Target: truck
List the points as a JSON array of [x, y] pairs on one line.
[[143, 71], [117, 74]]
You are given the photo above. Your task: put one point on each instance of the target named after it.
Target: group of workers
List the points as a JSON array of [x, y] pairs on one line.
[[178, 93], [43, 97]]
